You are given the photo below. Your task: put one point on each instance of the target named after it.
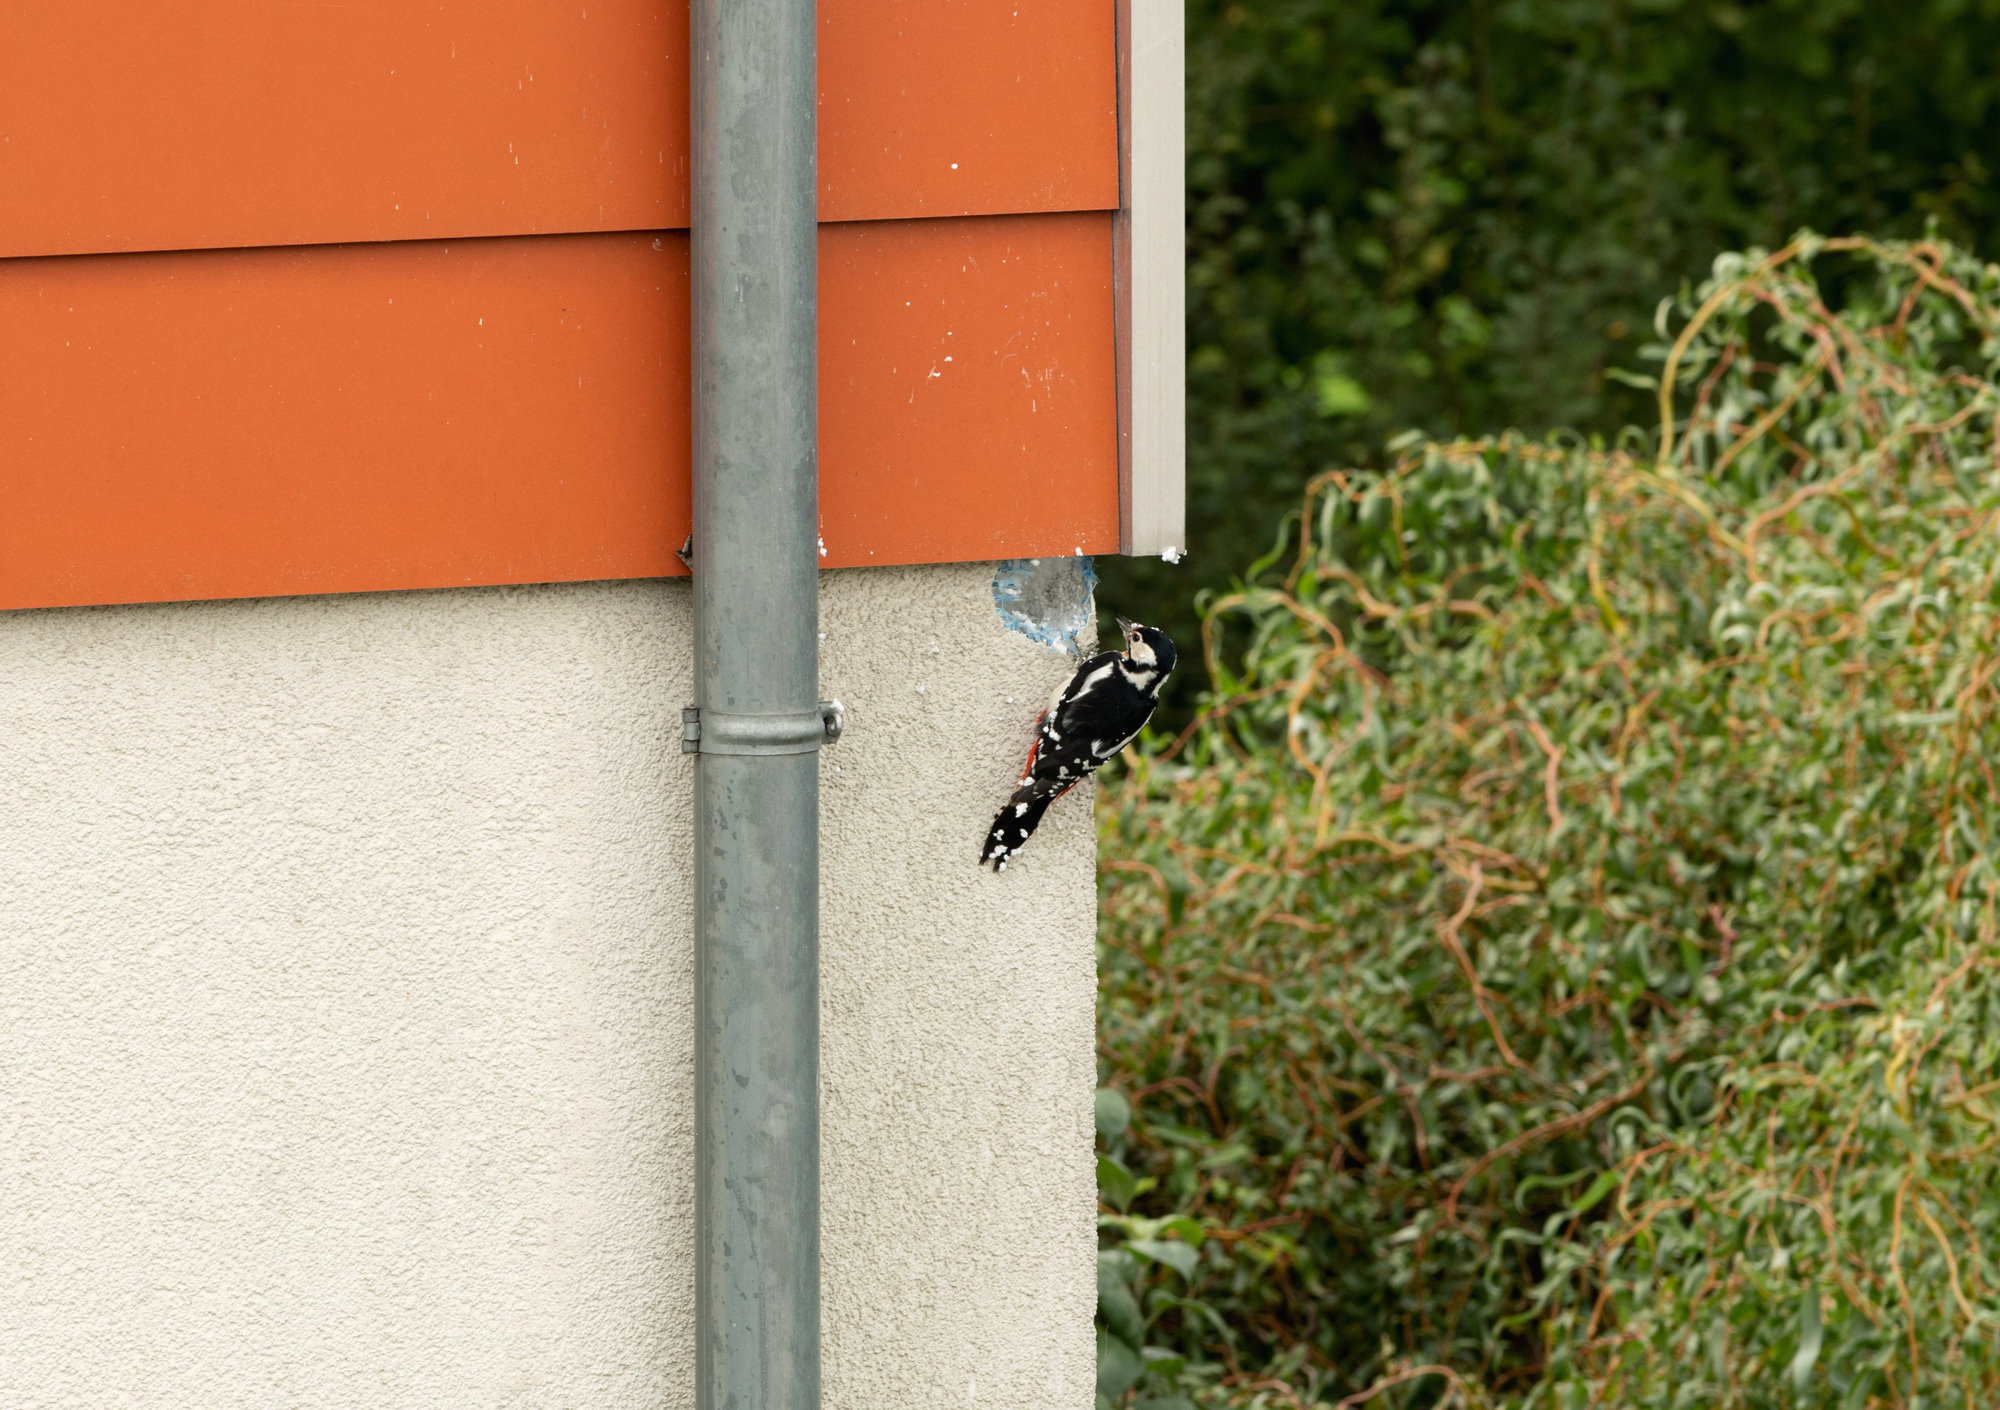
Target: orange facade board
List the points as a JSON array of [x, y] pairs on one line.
[[966, 389], [129, 125], [428, 414], [966, 107]]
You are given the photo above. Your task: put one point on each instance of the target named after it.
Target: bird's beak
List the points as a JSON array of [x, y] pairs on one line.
[[1125, 625]]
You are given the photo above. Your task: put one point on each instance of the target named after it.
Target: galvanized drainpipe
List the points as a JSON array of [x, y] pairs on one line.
[[756, 585]]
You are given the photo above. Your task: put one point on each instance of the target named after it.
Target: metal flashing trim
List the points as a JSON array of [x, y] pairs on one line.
[[1149, 259]]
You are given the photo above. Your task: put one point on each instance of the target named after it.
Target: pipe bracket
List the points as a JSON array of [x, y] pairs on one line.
[[726, 732]]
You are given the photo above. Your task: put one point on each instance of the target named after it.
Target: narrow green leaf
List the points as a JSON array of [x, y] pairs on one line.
[[1810, 1335], [1599, 1188]]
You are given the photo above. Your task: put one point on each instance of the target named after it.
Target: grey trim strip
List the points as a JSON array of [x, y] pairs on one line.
[[1149, 264]]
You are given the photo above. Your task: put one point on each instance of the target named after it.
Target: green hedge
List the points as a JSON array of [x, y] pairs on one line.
[[1558, 968]]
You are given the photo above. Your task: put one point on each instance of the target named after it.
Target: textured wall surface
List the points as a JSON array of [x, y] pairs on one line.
[[346, 1006], [958, 1048]]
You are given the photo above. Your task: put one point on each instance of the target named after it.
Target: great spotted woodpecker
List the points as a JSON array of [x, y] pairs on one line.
[[1092, 718]]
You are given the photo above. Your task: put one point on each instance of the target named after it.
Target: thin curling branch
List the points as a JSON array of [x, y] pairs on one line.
[[1391, 1382], [1550, 791], [1481, 995]]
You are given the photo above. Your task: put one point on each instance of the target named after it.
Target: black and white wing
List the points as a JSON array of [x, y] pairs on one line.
[[1102, 712]]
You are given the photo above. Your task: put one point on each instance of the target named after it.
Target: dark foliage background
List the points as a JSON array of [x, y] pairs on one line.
[[1459, 217]]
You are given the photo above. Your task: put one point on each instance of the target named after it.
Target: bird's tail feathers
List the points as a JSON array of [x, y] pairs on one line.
[[1017, 822]]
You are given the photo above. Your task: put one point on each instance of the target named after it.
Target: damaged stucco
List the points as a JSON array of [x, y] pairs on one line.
[[346, 972], [1052, 601]]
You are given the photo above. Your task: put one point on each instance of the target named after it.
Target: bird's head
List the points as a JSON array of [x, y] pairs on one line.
[[1146, 647]]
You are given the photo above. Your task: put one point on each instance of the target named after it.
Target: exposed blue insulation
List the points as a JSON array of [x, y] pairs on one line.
[[1049, 600]]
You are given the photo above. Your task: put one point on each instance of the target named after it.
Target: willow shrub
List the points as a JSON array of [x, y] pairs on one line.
[[1559, 966]]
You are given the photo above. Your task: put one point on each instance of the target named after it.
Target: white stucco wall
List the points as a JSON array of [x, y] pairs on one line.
[[346, 1007]]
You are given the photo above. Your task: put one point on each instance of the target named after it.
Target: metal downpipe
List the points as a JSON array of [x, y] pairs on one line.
[[756, 571]]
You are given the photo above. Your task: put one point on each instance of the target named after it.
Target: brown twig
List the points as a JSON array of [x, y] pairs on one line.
[[1391, 1382]]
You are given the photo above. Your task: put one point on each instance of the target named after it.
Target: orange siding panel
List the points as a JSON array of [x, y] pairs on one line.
[[967, 389], [364, 417], [134, 125], [246, 423], [131, 125], [966, 107]]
